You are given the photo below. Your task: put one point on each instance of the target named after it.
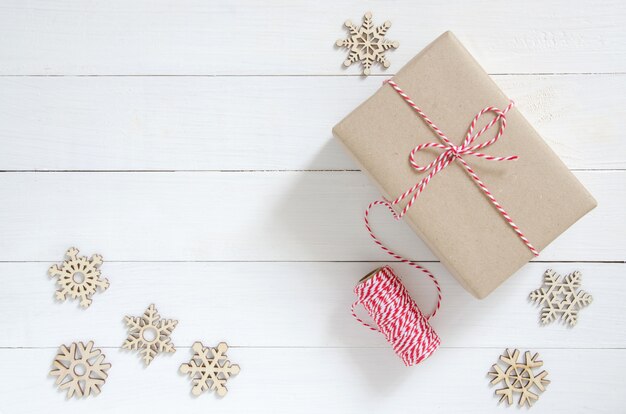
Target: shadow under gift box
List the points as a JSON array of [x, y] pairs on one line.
[[452, 215]]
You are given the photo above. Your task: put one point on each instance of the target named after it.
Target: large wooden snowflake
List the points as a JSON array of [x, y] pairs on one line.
[[78, 277], [80, 369], [367, 43], [561, 297], [209, 372], [519, 377], [149, 334]]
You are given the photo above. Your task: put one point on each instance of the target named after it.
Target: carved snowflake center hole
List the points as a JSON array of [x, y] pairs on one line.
[[80, 369], [149, 334], [78, 277], [520, 378]]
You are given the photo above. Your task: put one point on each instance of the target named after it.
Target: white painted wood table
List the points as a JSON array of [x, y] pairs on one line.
[[189, 142]]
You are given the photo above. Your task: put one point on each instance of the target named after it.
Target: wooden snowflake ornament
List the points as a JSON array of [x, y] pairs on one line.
[[149, 334], [209, 369], [80, 369], [561, 297], [519, 377], [78, 277], [367, 44]]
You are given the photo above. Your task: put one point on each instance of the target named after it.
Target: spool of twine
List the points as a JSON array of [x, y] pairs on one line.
[[396, 315]]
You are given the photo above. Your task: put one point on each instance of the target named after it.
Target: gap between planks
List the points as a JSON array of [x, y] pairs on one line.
[[240, 171], [582, 348], [315, 261], [288, 75]]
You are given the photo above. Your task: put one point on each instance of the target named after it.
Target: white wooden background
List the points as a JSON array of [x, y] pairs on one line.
[[189, 142]]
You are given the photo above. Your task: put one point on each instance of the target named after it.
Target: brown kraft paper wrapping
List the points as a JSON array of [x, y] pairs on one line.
[[453, 217]]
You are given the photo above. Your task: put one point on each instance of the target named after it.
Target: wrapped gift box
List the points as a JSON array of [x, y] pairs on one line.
[[452, 215]]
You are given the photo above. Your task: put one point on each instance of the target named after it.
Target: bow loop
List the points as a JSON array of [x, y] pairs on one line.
[[420, 147], [500, 118]]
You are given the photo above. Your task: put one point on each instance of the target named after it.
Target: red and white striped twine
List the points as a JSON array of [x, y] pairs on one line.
[[388, 301], [453, 152], [397, 316]]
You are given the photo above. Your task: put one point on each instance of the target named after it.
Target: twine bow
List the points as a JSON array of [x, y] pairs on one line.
[[457, 152]]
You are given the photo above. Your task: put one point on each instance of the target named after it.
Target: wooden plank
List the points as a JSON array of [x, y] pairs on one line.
[[260, 123], [304, 380], [247, 37], [298, 305], [287, 216]]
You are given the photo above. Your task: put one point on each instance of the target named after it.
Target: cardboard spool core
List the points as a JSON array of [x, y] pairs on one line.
[[369, 275]]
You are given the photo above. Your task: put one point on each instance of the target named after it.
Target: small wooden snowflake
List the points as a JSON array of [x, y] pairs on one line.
[[78, 277], [149, 334], [80, 369], [367, 43], [561, 297], [519, 377], [209, 369]]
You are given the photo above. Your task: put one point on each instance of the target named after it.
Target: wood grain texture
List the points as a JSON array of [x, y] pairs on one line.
[[246, 37], [340, 380], [302, 304], [260, 123], [260, 216]]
